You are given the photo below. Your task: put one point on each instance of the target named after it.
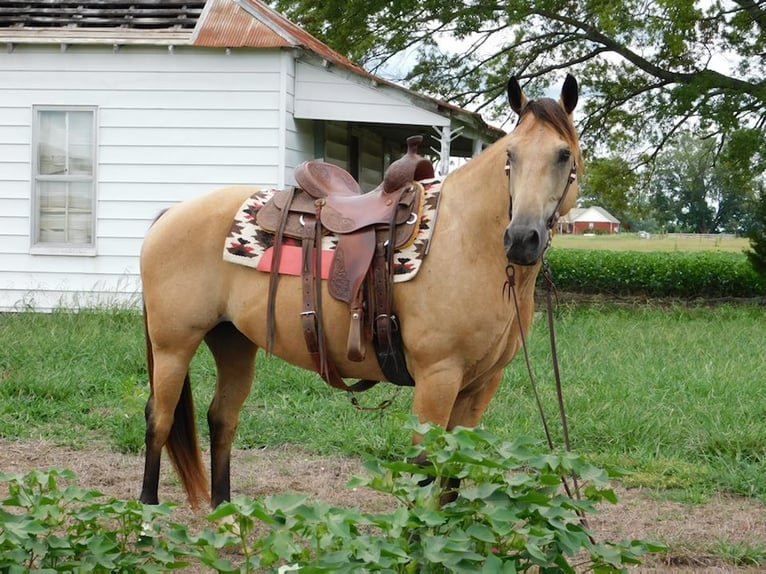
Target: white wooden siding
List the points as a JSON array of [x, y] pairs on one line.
[[298, 134], [328, 94], [170, 126]]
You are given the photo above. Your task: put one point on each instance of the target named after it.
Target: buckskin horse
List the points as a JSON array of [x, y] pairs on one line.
[[458, 326]]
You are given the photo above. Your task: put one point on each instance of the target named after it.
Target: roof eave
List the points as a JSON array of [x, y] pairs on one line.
[[94, 36]]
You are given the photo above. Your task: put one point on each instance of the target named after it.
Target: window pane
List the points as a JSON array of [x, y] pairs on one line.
[[51, 158], [66, 212], [52, 227], [52, 195], [80, 197], [80, 143], [79, 228]]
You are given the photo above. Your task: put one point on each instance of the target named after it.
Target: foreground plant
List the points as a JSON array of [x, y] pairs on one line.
[[49, 524], [509, 515]]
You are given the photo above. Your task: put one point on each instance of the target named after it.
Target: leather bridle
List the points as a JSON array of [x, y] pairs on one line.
[[554, 217]]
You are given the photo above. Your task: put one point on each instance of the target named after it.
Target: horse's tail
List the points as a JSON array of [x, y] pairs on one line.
[[182, 445]]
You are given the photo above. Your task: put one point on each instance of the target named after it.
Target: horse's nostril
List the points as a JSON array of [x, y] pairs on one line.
[[533, 239]]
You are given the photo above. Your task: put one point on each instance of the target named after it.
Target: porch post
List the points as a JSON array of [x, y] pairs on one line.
[[478, 145], [444, 151]]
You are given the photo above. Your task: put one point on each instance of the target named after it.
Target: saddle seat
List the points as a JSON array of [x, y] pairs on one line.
[[320, 179]]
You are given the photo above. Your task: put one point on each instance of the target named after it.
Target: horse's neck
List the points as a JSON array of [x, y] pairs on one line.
[[474, 207], [475, 201]]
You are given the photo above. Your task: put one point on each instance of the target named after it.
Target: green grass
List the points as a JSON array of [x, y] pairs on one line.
[[656, 242], [672, 394]]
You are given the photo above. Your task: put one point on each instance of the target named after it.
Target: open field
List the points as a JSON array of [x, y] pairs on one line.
[[656, 242]]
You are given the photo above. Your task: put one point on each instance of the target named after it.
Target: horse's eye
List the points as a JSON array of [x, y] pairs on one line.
[[564, 155]]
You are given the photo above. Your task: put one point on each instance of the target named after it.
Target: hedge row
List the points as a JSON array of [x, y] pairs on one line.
[[705, 274]]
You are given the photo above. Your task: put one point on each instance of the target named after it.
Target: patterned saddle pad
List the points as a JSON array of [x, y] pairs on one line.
[[247, 244]]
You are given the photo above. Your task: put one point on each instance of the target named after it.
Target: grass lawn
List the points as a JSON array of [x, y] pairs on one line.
[[656, 242], [673, 394]]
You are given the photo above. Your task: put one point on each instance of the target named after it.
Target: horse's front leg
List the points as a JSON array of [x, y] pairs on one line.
[[235, 364], [464, 408], [473, 400], [436, 391]]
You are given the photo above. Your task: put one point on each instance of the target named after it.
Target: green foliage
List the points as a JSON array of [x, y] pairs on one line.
[[646, 66], [686, 275], [509, 516], [757, 236], [699, 188], [49, 524], [612, 184]]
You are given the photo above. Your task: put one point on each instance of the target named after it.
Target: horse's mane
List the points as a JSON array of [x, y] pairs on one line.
[[550, 112]]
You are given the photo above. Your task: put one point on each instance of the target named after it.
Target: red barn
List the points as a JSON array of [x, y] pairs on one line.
[[592, 219]]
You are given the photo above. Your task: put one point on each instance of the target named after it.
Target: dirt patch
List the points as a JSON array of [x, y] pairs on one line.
[[693, 532]]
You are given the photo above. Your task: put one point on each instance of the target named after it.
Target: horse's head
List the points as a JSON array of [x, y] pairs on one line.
[[543, 160]]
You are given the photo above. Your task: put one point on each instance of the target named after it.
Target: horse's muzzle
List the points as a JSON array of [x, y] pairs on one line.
[[524, 243]]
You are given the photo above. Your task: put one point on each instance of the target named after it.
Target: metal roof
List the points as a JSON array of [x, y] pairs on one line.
[[251, 23], [594, 213]]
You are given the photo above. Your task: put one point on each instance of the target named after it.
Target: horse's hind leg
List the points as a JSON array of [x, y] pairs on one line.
[[170, 417], [235, 362]]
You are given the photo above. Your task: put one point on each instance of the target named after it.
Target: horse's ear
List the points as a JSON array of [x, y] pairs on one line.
[[569, 94], [516, 97]]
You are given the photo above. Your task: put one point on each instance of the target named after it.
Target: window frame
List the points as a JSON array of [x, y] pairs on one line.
[[38, 247]]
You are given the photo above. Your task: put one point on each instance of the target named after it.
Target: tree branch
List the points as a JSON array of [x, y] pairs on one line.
[[707, 76], [754, 10]]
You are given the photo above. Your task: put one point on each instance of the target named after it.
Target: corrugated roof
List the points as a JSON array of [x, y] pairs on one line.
[[228, 25], [251, 23], [204, 23]]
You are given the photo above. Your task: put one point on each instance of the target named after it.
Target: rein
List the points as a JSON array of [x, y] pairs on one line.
[[550, 290]]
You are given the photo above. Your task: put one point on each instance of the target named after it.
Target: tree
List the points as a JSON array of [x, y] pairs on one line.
[[757, 235], [610, 183], [649, 67], [692, 192]]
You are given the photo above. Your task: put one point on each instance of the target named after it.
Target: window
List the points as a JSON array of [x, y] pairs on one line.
[[64, 179]]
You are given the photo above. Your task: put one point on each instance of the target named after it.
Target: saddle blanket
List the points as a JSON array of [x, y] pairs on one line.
[[247, 244]]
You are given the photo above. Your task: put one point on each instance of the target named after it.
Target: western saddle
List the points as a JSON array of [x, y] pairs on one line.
[[368, 228]]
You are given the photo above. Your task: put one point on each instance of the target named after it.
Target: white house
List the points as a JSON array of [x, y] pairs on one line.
[[112, 111]]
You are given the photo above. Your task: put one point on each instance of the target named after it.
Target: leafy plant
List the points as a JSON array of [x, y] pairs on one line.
[[49, 524], [509, 515], [656, 274]]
